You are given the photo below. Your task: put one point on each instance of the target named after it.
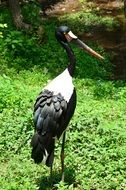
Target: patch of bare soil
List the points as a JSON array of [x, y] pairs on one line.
[[66, 6], [108, 5]]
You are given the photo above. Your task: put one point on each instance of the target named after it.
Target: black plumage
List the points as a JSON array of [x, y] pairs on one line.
[[51, 117]]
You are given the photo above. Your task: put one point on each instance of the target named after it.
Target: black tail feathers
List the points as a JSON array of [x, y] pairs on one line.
[[41, 151], [37, 149]]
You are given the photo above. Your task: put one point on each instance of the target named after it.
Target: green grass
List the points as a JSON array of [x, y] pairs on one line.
[[96, 138]]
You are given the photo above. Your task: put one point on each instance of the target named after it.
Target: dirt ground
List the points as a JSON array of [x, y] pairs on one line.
[[113, 41], [68, 6]]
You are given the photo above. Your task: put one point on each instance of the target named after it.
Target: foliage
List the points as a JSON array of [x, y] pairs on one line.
[[85, 21], [96, 138], [1, 27]]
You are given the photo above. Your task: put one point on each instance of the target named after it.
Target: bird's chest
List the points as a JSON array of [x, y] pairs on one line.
[[62, 84]]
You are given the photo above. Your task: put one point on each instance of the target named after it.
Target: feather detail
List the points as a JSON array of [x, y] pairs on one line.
[[62, 84], [52, 114]]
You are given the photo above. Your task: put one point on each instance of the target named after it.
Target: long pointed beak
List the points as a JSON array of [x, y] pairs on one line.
[[71, 37], [88, 49]]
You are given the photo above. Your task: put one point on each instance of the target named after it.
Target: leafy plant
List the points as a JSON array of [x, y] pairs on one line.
[[1, 27], [96, 138]]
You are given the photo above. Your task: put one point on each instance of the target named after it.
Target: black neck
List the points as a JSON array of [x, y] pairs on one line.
[[71, 66]]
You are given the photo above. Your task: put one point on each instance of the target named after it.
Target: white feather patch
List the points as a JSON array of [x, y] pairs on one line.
[[62, 84], [45, 156], [72, 35]]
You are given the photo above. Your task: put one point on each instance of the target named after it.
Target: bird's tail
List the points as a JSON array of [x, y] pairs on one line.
[[42, 149]]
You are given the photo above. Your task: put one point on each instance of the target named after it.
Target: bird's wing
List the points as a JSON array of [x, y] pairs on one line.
[[49, 113], [52, 114]]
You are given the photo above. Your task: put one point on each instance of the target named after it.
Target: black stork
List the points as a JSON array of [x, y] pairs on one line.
[[55, 105]]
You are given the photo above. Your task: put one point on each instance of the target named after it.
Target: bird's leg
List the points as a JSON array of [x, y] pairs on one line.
[[62, 156], [51, 182]]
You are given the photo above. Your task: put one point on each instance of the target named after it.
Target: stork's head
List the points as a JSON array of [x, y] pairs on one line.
[[65, 35]]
